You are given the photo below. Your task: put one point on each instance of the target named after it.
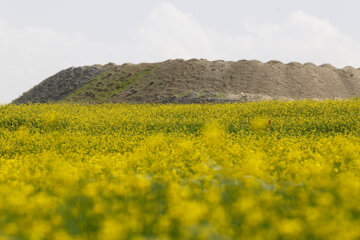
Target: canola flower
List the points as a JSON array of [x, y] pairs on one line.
[[121, 171]]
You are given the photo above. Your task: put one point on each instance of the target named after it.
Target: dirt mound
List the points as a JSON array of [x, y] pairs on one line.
[[197, 80], [57, 87]]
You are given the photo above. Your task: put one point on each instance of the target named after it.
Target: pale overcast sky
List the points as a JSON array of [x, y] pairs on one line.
[[41, 37]]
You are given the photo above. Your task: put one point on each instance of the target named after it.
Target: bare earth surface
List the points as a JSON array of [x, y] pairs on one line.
[[194, 81]]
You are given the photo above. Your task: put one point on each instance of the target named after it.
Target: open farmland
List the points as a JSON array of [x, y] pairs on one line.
[[223, 171]]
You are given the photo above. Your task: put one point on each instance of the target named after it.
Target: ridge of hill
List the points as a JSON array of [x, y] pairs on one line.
[[194, 81]]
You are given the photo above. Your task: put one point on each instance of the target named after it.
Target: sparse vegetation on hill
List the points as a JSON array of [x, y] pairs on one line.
[[109, 83], [180, 81]]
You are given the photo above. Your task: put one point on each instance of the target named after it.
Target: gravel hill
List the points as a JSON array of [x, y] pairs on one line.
[[196, 80]]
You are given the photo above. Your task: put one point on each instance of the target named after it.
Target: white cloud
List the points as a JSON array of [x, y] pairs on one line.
[[169, 33], [303, 38], [29, 55]]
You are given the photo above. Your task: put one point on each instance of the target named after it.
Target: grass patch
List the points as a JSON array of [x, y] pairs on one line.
[[108, 84]]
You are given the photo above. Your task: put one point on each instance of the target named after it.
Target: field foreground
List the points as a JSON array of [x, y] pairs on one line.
[[119, 171]]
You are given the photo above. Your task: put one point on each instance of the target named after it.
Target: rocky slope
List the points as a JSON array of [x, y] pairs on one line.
[[180, 81], [57, 87]]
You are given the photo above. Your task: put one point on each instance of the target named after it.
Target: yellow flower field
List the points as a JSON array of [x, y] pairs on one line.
[[121, 171]]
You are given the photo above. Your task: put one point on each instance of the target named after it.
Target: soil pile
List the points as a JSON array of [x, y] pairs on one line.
[[196, 80]]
